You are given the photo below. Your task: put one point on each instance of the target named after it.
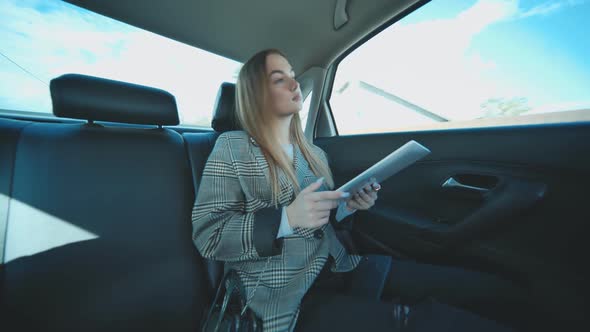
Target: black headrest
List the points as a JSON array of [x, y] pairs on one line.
[[225, 117], [94, 98]]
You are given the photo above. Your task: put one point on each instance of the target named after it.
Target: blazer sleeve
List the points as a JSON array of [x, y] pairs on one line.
[[222, 228], [346, 220]]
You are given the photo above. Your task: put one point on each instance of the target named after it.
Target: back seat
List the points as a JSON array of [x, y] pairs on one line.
[[199, 146], [98, 217], [9, 134]]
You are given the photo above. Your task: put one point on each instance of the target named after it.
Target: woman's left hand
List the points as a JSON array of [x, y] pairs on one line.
[[365, 198]]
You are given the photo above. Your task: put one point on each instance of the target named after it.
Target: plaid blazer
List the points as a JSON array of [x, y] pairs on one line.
[[234, 221]]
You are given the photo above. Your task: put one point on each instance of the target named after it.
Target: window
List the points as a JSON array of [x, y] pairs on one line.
[[303, 114], [458, 63], [43, 39]]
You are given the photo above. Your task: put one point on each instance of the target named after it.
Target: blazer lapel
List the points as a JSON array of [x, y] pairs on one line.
[[302, 171], [287, 194]]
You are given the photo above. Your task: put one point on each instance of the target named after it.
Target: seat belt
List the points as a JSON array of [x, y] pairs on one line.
[[4, 203]]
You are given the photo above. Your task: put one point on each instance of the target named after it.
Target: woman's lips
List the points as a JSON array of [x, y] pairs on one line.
[[297, 98]]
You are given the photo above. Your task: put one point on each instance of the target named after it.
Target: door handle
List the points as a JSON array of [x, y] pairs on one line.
[[452, 183], [515, 196]]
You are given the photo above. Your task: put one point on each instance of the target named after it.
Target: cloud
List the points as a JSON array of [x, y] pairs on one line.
[[548, 8], [436, 64], [484, 13], [431, 63]]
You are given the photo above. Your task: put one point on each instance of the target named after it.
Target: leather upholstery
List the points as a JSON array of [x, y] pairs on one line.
[[98, 99], [224, 116]]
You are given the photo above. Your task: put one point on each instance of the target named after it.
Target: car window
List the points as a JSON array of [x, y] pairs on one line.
[[303, 114], [43, 39], [458, 63]]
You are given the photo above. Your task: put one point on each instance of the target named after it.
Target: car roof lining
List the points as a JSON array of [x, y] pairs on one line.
[[303, 30]]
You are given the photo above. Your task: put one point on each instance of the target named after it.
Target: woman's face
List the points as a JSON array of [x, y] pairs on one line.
[[283, 90]]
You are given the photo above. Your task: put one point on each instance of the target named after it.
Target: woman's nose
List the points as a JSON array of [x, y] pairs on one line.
[[294, 84]]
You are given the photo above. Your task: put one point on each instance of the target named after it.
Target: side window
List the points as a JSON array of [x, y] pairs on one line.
[[40, 40], [305, 110], [475, 63]]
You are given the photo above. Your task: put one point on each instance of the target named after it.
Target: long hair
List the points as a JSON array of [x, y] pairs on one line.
[[252, 113]]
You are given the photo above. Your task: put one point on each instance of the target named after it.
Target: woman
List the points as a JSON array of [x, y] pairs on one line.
[[266, 197]]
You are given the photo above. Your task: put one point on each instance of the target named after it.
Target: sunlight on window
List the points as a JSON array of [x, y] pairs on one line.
[[460, 60], [43, 39], [303, 114]]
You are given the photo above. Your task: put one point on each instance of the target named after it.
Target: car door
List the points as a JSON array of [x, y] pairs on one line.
[[504, 189]]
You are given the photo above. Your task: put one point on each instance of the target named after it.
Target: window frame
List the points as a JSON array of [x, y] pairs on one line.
[[545, 118]]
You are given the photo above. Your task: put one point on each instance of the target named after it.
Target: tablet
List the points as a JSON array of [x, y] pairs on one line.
[[396, 161]]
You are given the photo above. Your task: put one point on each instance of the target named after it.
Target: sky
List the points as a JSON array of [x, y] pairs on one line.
[[449, 57]]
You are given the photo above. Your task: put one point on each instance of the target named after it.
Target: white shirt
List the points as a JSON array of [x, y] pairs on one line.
[[285, 229]]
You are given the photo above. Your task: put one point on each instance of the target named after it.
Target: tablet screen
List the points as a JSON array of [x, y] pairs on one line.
[[396, 161]]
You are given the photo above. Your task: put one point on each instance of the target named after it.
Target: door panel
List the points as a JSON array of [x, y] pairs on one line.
[[528, 221]]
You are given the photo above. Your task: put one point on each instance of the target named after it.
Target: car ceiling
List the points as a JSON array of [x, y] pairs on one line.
[[237, 29]]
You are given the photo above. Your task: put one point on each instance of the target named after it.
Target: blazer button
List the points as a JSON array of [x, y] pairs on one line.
[[318, 234]]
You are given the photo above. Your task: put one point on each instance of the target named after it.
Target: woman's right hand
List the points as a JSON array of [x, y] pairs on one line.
[[311, 209]]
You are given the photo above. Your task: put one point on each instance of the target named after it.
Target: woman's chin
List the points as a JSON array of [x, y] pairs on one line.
[[292, 111]]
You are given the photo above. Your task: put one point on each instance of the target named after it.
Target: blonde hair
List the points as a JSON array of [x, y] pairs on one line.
[[251, 97]]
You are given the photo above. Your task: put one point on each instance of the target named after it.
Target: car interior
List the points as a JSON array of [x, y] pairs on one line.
[[114, 168]]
